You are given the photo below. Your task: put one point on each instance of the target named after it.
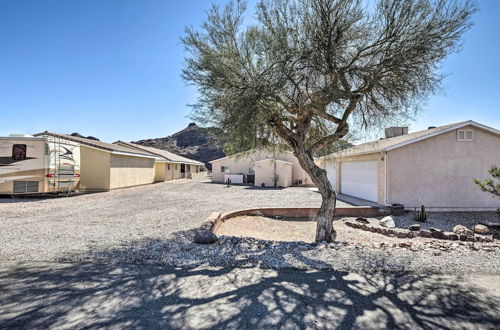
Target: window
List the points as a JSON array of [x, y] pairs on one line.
[[168, 167], [19, 152], [464, 135], [224, 169], [251, 171]]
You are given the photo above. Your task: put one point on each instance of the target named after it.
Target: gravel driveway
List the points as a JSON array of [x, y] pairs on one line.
[[51, 229]]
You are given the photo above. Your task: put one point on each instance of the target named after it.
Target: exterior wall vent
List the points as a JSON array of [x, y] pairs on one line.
[[431, 127], [25, 186]]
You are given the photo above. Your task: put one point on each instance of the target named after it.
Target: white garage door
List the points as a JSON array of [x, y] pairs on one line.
[[331, 173], [359, 179]]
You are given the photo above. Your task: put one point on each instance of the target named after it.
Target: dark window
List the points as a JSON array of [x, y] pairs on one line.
[[19, 152], [168, 167]]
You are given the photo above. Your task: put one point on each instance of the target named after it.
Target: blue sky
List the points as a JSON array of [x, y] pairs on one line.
[[111, 68]]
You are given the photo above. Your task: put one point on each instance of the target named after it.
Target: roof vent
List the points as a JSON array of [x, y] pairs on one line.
[[431, 127], [395, 131]]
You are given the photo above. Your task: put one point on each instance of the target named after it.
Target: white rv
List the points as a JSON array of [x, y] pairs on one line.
[[32, 165]]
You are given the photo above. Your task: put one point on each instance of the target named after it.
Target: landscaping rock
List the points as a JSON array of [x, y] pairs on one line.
[[462, 230], [481, 229], [388, 222], [452, 236], [414, 227], [205, 236], [435, 229], [425, 233], [362, 220], [438, 234], [401, 235]]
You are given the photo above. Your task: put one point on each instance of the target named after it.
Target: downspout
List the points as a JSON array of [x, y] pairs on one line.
[[385, 178]]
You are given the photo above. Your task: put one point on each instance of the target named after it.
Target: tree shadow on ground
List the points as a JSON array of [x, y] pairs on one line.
[[146, 296]]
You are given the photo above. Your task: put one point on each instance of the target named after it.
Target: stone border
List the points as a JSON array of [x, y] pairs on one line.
[[213, 222], [405, 233]]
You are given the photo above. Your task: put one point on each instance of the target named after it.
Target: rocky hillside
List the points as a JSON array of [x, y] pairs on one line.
[[193, 142]]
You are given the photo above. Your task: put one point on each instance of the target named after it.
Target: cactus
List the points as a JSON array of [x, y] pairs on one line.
[[422, 215]]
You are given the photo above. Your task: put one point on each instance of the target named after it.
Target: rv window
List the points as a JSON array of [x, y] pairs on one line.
[[19, 152]]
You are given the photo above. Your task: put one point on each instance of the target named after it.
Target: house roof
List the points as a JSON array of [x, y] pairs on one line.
[[159, 152], [248, 152], [273, 160], [400, 141], [113, 148]]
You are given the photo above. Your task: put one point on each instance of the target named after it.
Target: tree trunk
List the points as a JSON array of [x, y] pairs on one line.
[[324, 229]]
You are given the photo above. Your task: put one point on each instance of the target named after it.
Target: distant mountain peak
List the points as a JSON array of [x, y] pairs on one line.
[[195, 142]]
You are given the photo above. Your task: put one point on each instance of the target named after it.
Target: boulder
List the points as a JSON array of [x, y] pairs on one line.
[[205, 236], [388, 222], [401, 234], [462, 230], [438, 234], [414, 227], [425, 233], [481, 229], [362, 220]]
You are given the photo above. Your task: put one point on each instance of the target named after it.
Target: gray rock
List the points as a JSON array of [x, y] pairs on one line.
[[362, 220], [425, 233], [388, 222], [205, 236], [438, 234], [414, 227]]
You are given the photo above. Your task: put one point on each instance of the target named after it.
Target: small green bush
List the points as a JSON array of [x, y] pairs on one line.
[[422, 215]]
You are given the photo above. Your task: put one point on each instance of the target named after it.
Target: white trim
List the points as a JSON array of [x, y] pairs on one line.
[[274, 160], [35, 138], [449, 129], [249, 152], [113, 152]]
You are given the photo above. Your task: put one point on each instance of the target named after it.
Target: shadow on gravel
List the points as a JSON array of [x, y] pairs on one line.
[[145, 296]]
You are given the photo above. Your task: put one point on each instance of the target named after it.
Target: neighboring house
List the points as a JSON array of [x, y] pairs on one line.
[[173, 166], [106, 166], [261, 168], [434, 167]]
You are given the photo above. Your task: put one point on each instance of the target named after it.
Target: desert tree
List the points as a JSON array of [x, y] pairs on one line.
[[489, 185], [303, 72]]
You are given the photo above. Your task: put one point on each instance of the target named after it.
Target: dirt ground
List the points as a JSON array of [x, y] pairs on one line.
[[297, 230]]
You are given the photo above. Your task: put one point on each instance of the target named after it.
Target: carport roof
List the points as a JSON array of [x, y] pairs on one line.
[[400, 141], [114, 148], [163, 153]]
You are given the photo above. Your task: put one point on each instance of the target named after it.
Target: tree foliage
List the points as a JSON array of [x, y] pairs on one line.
[[489, 185], [306, 70]]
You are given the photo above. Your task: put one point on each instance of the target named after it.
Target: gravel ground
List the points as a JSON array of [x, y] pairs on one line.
[[155, 224], [50, 229]]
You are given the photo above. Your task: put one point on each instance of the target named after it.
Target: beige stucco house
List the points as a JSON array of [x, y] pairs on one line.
[[172, 166], [261, 168], [106, 166], [434, 167]]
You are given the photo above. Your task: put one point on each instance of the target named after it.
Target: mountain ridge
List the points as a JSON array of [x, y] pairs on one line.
[[199, 143]]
